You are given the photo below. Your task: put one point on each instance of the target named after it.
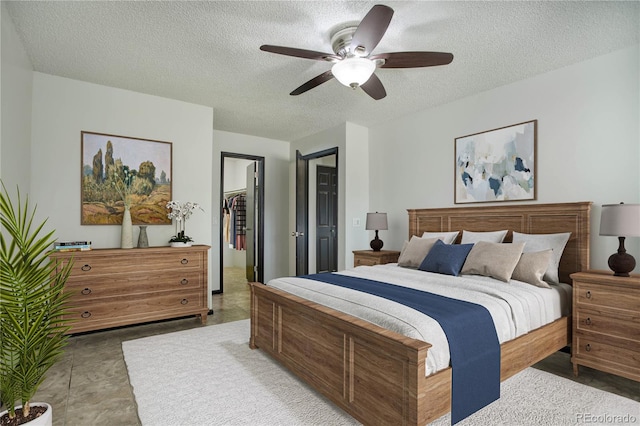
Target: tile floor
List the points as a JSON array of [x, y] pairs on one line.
[[90, 385]]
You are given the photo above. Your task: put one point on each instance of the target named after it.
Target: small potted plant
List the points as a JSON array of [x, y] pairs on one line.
[[32, 324], [181, 212]]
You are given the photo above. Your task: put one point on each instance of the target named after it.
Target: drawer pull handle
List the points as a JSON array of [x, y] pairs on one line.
[[588, 347], [588, 295], [184, 281], [588, 321], [184, 301], [86, 267], [86, 291], [184, 261], [85, 314]]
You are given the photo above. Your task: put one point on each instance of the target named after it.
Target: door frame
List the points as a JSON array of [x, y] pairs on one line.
[[302, 207], [260, 219]]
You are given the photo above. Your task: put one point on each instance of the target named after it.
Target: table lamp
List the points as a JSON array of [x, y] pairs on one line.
[[621, 220], [376, 222]]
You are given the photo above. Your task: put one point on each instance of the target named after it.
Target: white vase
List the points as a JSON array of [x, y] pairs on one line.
[[45, 419], [126, 235]]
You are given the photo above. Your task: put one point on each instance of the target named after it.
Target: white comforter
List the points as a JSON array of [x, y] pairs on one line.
[[516, 307]]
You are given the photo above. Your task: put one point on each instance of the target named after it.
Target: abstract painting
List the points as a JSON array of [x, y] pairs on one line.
[[118, 171], [496, 165]]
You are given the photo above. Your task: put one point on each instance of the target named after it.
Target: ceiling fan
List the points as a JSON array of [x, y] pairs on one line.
[[353, 63]]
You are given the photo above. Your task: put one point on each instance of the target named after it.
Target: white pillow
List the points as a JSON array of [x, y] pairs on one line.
[[446, 237], [414, 251], [540, 242], [490, 237]]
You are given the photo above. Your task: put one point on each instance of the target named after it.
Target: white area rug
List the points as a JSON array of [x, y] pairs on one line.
[[209, 376]]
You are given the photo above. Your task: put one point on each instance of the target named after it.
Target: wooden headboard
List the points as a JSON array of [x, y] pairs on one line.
[[525, 218]]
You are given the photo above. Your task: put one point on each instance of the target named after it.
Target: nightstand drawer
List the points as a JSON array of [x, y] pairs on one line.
[[372, 258], [622, 324], [365, 261], [601, 295], [618, 351]]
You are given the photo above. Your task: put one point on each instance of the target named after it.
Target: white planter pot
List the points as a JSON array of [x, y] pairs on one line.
[[46, 419], [180, 244]]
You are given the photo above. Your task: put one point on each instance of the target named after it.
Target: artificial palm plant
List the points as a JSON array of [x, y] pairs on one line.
[[32, 305]]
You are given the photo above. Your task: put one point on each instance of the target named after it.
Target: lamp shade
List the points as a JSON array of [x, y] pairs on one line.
[[353, 71], [620, 220], [376, 222]]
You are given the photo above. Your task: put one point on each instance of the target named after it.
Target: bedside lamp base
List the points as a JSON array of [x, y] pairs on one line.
[[621, 263], [376, 244]]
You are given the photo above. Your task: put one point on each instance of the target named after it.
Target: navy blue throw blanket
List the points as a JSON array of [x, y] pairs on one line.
[[473, 342]]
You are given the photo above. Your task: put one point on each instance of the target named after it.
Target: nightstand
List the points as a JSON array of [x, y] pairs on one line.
[[606, 323], [370, 257]]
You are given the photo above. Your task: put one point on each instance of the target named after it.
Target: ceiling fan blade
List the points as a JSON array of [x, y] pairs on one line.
[[413, 59], [314, 82], [371, 29], [374, 88], [300, 53]]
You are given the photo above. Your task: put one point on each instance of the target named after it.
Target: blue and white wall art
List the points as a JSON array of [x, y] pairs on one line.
[[496, 165]]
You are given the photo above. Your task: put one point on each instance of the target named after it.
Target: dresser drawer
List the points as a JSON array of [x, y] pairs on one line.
[[87, 265], [594, 295], [118, 284], [137, 306], [618, 323]]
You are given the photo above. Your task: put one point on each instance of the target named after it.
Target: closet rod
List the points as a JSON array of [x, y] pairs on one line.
[[236, 192]]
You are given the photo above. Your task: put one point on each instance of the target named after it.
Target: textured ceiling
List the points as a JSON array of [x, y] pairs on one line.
[[208, 52]]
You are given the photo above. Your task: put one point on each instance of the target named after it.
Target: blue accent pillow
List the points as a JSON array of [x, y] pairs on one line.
[[446, 258]]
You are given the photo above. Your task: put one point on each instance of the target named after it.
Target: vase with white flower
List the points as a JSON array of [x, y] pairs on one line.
[[181, 212]]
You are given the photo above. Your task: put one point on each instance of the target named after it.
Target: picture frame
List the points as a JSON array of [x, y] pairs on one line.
[[497, 165], [117, 168]]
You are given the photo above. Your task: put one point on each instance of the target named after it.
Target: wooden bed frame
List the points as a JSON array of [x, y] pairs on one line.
[[378, 376]]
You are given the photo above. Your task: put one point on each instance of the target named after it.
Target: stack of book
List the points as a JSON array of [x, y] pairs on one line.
[[72, 245]]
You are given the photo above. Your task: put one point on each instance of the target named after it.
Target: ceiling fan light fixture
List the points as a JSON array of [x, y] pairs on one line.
[[353, 71]]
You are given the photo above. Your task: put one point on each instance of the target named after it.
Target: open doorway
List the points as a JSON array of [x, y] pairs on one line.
[[242, 224]]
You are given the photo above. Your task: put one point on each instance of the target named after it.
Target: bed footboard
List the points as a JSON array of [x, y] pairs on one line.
[[373, 374]]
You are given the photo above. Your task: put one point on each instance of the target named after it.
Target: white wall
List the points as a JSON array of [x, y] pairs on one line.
[[62, 108], [276, 157], [357, 182], [588, 144], [15, 119]]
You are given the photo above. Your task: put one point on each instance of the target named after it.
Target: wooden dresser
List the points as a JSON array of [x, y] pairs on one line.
[[115, 287], [370, 257], [606, 323]]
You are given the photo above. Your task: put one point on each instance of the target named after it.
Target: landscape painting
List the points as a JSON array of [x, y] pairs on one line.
[[496, 165], [121, 171]]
